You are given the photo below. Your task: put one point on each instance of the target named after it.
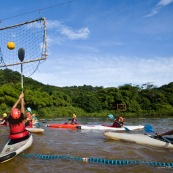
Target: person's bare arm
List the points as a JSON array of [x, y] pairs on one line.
[[22, 104], [17, 102], [21, 97], [167, 133], [2, 122]]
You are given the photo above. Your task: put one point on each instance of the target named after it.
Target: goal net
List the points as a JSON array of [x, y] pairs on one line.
[[31, 36]]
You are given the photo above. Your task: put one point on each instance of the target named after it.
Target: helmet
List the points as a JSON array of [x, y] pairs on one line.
[[121, 118], [74, 116], [15, 113], [4, 115]]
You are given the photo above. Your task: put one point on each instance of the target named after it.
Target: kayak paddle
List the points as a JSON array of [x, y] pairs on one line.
[[68, 121], [29, 109], [112, 117], [149, 129], [21, 56]]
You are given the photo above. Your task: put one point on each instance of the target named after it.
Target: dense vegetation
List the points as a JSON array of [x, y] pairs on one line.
[[51, 101]]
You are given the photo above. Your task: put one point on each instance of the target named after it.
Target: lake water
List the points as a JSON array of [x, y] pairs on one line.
[[85, 143]]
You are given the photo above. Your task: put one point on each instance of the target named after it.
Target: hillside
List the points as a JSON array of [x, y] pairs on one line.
[[52, 101]]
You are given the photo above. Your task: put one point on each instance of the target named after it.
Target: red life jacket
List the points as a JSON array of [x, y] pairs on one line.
[[28, 124], [116, 124], [18, 131], [29, 120]]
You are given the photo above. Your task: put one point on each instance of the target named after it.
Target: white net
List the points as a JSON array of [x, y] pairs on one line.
[[31, 36]]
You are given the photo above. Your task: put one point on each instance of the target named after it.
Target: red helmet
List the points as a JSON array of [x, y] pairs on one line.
[[15, 113]]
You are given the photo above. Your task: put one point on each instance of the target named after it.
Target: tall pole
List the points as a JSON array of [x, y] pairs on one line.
[[21, 56]]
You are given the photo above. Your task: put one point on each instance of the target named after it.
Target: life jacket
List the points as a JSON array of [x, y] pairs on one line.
[[29, 121], [116, 124], [74, 121], [18, 131]]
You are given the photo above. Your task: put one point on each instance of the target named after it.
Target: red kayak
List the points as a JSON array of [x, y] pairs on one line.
[[66, 126]]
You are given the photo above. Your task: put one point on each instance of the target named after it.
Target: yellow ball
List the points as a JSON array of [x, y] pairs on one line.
[[11, 45]]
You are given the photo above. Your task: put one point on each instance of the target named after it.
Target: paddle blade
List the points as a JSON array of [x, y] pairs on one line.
[[128, 130], [111, 116], [29, 109], [149, 129], [21, 54]]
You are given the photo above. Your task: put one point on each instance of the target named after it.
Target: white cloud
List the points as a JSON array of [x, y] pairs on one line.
[[68, 32], [159, 6], [105, 71], [52, 24], [75, 35], [165, 2]]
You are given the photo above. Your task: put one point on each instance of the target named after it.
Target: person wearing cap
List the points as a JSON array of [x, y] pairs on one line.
[[73, 120], [16, 120], [4, 119], [119, 122]]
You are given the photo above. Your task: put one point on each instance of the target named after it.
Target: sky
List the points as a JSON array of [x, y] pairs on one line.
[[105, 43]]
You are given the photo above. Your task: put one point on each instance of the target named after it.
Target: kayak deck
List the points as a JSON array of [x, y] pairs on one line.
[[140, 139], [66, 126], [107, 127], [14, 147], [34, 129]]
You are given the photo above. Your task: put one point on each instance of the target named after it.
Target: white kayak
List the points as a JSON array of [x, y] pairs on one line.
[[106, 127], [14, 147], [34, 129], [140, 139]]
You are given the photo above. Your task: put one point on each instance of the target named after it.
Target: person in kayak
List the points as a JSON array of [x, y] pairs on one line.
[[35, 121], [4, 119], [16, 120], [28, 119], [73, 120], [118, 122]]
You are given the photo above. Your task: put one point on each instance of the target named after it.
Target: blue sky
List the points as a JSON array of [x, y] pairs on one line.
[[101, 42]]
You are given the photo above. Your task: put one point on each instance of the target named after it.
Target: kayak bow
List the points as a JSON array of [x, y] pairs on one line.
[[14, 147], [34, 129]]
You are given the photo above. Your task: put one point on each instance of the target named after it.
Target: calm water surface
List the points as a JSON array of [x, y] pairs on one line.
[[82, 143]]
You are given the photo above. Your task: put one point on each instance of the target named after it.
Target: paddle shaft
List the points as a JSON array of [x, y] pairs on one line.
[[21, 56], [22, 77], [164, 138]]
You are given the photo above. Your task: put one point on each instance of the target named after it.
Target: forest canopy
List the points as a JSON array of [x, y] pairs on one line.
[[52, 101]]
